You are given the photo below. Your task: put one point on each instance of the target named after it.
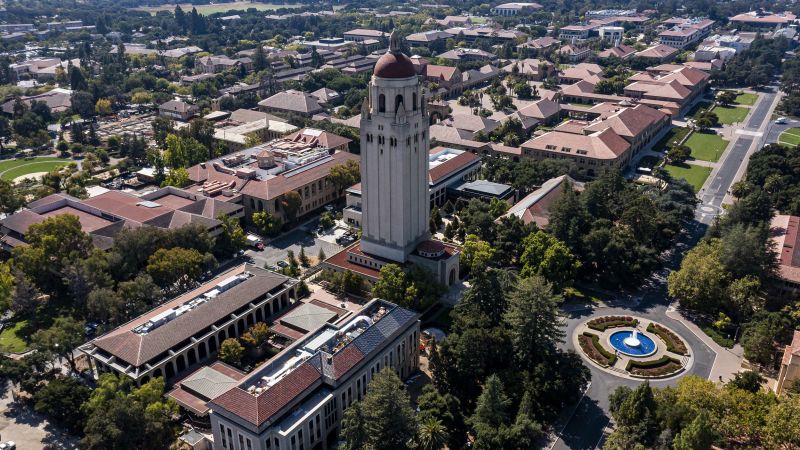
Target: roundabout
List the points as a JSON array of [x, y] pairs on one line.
[[632, 347]]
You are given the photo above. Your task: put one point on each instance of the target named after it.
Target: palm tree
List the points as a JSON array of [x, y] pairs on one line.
[[432, 435]]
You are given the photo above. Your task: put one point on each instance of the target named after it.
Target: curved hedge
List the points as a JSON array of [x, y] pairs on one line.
[[655, 368], [674, 343], [604, 323], [590, 344]]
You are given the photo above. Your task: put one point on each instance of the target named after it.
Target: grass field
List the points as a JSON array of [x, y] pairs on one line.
[[790, 136], [695, 175], [746, 99], [706, 146], [582, 105], [219, 8], [730, 114], [14, 168], [670, 139], [13, 337]]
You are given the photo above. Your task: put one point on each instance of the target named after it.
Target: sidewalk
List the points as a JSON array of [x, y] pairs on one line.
[[728, 361]]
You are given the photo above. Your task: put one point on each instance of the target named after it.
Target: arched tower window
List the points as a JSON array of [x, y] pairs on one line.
[[397, 101], [382, 103], [414, 100]]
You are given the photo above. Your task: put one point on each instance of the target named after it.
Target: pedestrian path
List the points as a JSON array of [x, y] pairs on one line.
[[728, 361]]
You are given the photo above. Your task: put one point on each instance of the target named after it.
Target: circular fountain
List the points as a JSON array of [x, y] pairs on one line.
[[632, 343]]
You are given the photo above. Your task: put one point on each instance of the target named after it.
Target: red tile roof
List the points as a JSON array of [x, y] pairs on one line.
[[451, 166]]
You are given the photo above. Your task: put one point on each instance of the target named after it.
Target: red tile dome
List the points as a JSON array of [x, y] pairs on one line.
[[394, 65]]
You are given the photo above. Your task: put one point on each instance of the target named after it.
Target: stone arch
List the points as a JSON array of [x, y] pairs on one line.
[[398, 100], [240, 326], [212, 345], [382, 103], [144, 380], [251, 320], [181, 363], [170, 370], [259, 315], [232, 331], [436, 117], [202, 353], [158, 373], [191, 357]]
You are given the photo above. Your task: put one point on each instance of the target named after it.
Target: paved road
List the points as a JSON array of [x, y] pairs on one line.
[[584, 429]]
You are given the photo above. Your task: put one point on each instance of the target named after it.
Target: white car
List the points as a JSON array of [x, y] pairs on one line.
[[781, 120], [8, 445]]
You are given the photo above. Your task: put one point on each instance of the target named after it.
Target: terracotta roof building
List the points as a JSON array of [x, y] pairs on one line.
[[533, 69], [535, 207], [790, 365], [604, 143], [259, 177], [297, 399], [620, 51], [657, 53], [764, 19], [105, 215], [58, 100], [785, 234], [292, 102], [178, 110], [177, 336]]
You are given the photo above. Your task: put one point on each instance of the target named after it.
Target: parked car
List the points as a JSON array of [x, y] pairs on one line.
[[282, 264], [255, 241], [781, 120], [8, 445]]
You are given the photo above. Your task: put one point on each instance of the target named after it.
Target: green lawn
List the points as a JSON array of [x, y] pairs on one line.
[[12, 169], [706, 146], [218, 8], [790, 136], [730, 114], [581, 105], [13, 337], [673, 136], [695, 175], [746, 99]]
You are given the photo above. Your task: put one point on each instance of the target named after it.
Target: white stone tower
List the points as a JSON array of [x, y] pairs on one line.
[[394, 159]]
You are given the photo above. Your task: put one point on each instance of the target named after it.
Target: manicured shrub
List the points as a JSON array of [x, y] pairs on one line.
[[604, 323], [674, 343], [590, 343]]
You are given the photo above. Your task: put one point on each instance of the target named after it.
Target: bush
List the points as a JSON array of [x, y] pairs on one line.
[[590, 343], [604, 323], [673, 342], [717, 337], [655, 368]]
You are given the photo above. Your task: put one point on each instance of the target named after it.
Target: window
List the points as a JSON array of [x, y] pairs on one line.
[[414, 100], [397, 101], [382, 103], [222, 433]]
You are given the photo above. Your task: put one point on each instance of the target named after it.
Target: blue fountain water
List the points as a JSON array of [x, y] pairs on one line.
[[646, 345]]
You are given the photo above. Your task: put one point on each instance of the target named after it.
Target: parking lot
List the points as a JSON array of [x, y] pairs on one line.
[[301, 237]]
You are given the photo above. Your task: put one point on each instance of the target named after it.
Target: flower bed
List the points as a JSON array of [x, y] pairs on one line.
[[656, 368], [604, 323], [590, 343], [673, 342]]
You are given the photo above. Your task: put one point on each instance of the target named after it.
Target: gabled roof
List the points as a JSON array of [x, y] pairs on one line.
[[293, 101], [605, 144], [446, 73], [658, 51], [620, 51], [535, 207], [629, 122]]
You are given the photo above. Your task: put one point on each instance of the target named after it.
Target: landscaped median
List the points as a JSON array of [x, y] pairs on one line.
[[590, 343], [790, 137], [661, 367], [604, 323], [673, 342]]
